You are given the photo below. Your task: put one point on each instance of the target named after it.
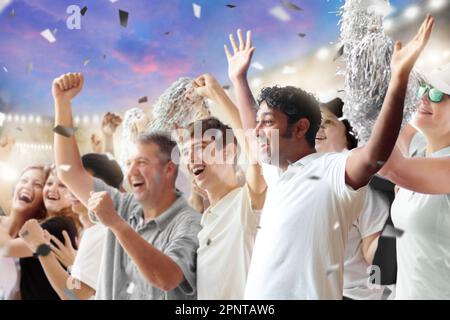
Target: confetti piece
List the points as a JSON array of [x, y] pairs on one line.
[[332, 269], [83, 10], [110, 156], [113, 1], [104, 56], [130, 288], [226, 87], [208, 242], [291, 6], [2, 118], [301, 35], [55, 31], [167, 33], [64, 167], [30, 67], [314, 178], [231, 6], [279, 13], [4, 4], [48, 35], [5, 69], [64, 131], [197, 10], [143, 99], [19, 129], [336, 226], [342, 118], [289, 70], [12, 13], [86, 62], [339, 53], [123, 16], [391, 232], [257, 65]]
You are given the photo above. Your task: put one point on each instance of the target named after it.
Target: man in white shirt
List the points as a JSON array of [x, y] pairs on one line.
[[299, 251], [230, 223]]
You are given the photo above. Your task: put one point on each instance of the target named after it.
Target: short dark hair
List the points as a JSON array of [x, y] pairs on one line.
[[212, 123], [103, 168], [296, 104], [167, 146]]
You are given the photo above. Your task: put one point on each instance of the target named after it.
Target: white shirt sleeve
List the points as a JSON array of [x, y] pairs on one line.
[[374, 214], [86, 266], [350, 200]]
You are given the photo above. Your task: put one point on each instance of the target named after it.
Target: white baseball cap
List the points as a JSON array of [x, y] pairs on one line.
[[439, 78]]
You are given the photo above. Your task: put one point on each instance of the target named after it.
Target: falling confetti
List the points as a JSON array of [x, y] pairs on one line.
[[4, 4], [257, 65], [83, 11], [231, 6], [64, 131], [339, 53], [314, 178], [2, 118], [291, 6], [19, 129], [332, 269], [289, 70], [279, 13], [167, 33], [336, 226], [5, 69], [110, 156], [130, 288], [30, 67], [123, 16], [64, 167], [301, 34], [12, 13], [86, 62], [143, 99], [391, 232], [226, 87], [48, 35], [55, 31], [208, 242], [197, 10]]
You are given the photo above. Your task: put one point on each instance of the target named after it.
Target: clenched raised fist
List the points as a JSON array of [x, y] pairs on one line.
[[67, 86]]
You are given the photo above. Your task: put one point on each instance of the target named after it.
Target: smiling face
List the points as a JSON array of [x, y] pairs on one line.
[[209, 164], [146, 173], [331, 136], [27, 197], [433, 118], [56, 195], [273, 134]]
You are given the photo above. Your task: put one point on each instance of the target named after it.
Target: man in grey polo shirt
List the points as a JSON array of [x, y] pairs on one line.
[[151, 243]]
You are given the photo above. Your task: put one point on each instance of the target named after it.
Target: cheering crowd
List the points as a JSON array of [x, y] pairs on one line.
[[298, 218]]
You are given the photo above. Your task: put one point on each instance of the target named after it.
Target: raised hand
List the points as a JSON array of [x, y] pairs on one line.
[[239, 61], [67, 86], [6, 145], [404, 57], [207, 86], [110, 123], [101, 204], [96, 144]]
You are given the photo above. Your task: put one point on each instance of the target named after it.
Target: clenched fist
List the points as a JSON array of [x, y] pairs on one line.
[[101, 204], [110, 123], [67, 86]]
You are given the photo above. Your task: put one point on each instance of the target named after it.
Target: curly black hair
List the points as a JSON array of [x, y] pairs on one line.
[[296, 104]]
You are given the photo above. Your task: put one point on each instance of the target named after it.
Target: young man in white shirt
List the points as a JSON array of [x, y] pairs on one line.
[[299, 253], [230, 223]]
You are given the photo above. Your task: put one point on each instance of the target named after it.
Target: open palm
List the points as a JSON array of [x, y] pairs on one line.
[[239, 61], [404, 57]]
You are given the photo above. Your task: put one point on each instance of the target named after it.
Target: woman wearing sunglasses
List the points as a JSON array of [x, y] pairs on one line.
[[422, 206]]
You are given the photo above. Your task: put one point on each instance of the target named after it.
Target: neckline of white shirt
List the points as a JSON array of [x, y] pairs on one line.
[[213, 209], [440, 153]]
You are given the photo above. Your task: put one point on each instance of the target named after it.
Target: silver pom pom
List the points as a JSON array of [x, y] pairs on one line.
[[368, 53]]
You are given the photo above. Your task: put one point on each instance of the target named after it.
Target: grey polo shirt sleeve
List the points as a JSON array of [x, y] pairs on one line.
[[182, 249], [123, 202]]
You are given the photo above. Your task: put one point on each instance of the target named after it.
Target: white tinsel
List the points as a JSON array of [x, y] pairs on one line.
[[368, 51]]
